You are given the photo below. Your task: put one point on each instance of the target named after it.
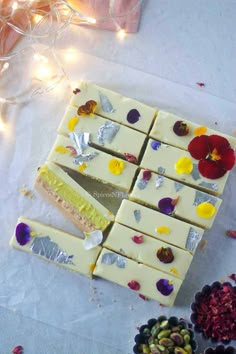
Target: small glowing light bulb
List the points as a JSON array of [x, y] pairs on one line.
[[14, 6], [71, 55], [121, 33], [43, 72], [91, 20], [3, 125], [37, 18]]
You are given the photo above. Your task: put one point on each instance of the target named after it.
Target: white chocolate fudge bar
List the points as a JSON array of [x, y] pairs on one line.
[[103, 132], [139, 277], [163, 130], [54, 246], [175, 198], [93, 163], [145, 249], [77, 205], [158, 225], [179, 165], [112, 105]]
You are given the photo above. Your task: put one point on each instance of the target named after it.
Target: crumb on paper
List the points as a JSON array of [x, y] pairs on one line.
[[200, 84], [26, 193], [203, 244]]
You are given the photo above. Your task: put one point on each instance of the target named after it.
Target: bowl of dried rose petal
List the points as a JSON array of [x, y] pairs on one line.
[[214, 312], [165, 336]]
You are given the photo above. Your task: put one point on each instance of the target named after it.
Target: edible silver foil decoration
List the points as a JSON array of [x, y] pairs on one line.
[[137, 215], [161, 170], [45, 247], [159, 181], [195, 173], [111, 258], [106, 104], [142, 184], [201, 197], [178, 186], [212, 186], [81, 141], [80, 159], [192, 239], [107, 132]]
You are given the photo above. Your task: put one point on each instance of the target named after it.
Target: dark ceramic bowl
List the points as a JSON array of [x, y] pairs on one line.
[[215, 322], [144, 334], [220, 349]]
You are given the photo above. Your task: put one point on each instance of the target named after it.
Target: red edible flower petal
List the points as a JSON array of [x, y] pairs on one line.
[[227, 159], [201, 84], [231, 233], [218, 142], [134, 285], [137, 239], [210, 169], [232, 277], [18, 350], [199, 147]]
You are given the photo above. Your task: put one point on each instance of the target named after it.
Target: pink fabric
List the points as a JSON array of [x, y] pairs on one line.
[[125, 13]]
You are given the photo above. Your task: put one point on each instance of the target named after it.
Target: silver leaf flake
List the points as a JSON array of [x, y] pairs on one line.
[[106, 104], [212, 186], [137, 215], [192, 239], [121, 262], [178, 186], [45, 247], [80, 141], [109, 258], [142, 184], [201, 197], [159, 181], [195, 173], [80, 159], [161, 170], [107, 132]]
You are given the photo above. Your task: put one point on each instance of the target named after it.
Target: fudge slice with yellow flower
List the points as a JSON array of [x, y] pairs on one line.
[[174, 130], [159, 225], [76, 154], [143, 280], [77, 205], [104, 133], [185, 167], [148, 250], [55, 246], [174, 198], [90, 98]]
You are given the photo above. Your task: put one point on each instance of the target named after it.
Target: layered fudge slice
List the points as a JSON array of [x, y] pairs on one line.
[[177, 131], [90, 98], [145, 280], [55, 246], [145, 249], [181, 166], [175, 198], [77, 155], [77, 205], [104, 133], [158, 225]]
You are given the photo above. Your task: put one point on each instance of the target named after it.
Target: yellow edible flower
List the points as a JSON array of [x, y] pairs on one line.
[[174, 271], [116, 166], [200, 131], [92, 267], [83, 167], [72, 123], [163, 230], [205, 210], [61, 149], [184, 165]]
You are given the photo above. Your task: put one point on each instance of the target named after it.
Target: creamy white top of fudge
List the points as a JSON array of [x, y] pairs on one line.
[[57, 246], [103, 132], [176, 199], [93, 163], [158, 225], [144, 249], [163, 130], [163, 159], [130, 274], [115, 106]]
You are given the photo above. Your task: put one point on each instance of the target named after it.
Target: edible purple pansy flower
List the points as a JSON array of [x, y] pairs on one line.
[[23, 232], [165, 287]]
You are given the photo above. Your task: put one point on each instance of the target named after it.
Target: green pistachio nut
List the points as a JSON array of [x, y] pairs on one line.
[[165, 333], [155, 329], [161, 348], [177, 338], [179, 350], [164, 324], [166, 342], [186, 338], [188, 348], [184, 331], [176, 329]]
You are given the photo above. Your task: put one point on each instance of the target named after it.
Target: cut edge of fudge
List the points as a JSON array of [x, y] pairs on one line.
[[77, 205], [54, 246]]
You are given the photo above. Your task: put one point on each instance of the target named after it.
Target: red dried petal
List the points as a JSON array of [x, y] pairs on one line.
[[134, 285], [131, 158], [233, 276], [143, 297], [199, 147], [201, 84], [227, 159], [18, 350], [147, 175], [137, 239], [231, 233], [219, 143], [210, 169]]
